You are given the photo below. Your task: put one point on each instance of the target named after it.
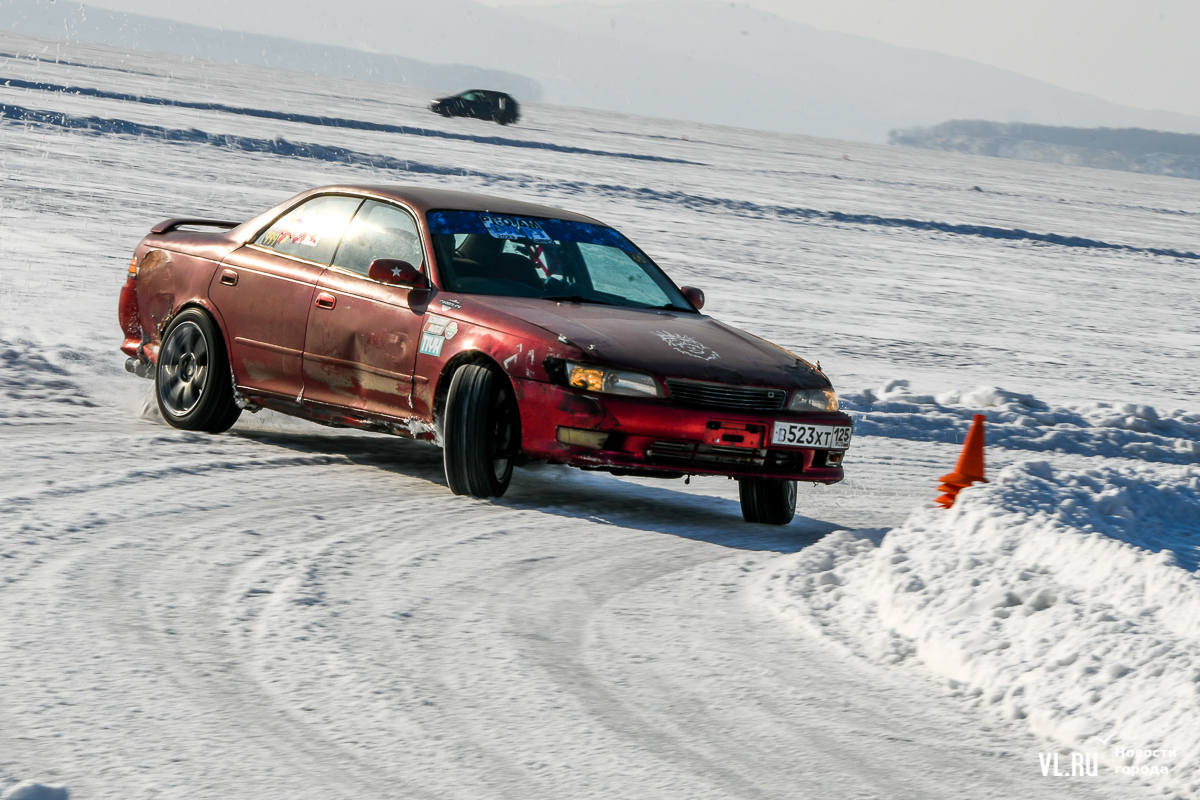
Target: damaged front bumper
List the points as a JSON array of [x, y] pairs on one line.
[[625, 435]]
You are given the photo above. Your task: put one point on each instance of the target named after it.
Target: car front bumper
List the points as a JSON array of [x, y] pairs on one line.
[[660, 437]]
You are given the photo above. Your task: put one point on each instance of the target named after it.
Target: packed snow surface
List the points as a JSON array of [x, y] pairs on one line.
[[1064, 599], [287, 611]]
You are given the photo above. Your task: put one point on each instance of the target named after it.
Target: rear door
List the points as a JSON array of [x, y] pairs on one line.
[[477, 105], [264, 292], [361, 345]]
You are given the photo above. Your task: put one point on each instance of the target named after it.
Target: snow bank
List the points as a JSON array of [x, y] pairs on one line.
[[1068, 601], [1021, 421], [31, 790]]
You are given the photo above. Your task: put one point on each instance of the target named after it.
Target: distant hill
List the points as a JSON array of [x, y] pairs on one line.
[[1127, 149], [134, 31], [716, 62]]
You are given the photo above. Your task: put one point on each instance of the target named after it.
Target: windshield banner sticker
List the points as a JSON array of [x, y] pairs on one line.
[[513, 228], [538, 229], [687, 345]]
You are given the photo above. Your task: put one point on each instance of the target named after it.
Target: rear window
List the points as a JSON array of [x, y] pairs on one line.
[[311, 230]]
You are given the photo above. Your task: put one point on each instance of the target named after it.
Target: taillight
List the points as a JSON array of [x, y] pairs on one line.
[[133, 265]]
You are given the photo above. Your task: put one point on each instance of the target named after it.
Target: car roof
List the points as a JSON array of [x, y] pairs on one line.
[[423, 199]]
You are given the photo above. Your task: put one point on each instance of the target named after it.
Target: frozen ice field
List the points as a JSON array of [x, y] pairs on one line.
[[288, 611]]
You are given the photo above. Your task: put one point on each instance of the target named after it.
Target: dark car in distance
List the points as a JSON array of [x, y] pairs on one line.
[[479, 104], [502, 330]]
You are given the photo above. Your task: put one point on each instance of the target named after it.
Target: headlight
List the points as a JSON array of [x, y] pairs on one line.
[[814, 400], [595, 378]]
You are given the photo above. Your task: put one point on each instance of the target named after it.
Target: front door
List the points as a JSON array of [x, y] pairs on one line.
[[265, 289], [361, 345]]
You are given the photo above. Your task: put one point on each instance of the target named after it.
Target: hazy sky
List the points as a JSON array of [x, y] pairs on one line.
[[1140, 53]]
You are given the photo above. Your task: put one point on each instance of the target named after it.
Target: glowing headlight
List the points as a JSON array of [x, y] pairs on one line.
[[593, 378], [814, 400]]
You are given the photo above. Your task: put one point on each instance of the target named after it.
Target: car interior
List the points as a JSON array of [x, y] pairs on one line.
[[482, 264]]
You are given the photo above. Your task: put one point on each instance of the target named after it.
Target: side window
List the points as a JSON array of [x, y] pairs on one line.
[[312, 230], [379, 230]]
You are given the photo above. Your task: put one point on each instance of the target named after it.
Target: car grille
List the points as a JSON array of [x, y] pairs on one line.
[[682, 453], [724, 395]]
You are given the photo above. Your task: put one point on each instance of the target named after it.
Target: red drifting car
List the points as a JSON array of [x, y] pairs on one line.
[[501, 330]]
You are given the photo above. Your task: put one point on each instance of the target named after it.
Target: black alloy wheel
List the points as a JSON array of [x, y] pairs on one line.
[[192, 381], [481, 432], [769, 501]]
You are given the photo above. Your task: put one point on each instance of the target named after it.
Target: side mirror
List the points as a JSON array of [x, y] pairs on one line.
[[694, 296], [397, 273]]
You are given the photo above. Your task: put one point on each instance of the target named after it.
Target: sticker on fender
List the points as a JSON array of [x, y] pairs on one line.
[[431, 344], [794, 434]]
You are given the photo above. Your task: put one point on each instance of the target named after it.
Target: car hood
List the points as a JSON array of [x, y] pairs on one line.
[[664, 343]]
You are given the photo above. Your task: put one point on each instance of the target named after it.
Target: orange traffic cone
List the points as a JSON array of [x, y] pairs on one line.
[[969, 468]]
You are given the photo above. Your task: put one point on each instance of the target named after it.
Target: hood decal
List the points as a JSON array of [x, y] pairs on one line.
[[687, 345]]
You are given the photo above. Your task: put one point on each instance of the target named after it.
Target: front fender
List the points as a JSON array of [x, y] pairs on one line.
[[447, 343]]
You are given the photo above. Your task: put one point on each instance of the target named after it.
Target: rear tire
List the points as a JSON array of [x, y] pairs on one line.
[[480, 432], [768, 501], [192, 381]]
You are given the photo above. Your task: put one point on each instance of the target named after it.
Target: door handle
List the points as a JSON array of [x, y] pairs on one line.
[[326, 300], [229, 277]]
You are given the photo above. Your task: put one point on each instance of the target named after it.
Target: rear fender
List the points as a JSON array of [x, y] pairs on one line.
[[167, 282]]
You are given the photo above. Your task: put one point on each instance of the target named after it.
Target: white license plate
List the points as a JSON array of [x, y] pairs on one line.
[[823, 437]]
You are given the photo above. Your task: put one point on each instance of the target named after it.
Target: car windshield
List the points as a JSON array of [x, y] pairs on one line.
[[480, 253]]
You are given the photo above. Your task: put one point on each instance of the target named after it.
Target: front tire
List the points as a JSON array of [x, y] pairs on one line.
[[769, 501], [192, 379], [480, 432]]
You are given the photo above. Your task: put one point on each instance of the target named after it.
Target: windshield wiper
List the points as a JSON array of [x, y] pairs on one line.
[[575, 298]]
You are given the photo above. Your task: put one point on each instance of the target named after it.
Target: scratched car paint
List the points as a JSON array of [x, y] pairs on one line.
[[358, 305]]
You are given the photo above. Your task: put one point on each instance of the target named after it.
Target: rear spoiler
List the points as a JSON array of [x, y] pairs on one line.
[[168, 225]]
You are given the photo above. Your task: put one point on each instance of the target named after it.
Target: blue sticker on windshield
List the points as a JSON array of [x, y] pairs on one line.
[[543, 230], [513, 228]]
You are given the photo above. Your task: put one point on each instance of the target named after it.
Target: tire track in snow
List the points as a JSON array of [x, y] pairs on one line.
[[329, 122], [283, 147], [351, 629]]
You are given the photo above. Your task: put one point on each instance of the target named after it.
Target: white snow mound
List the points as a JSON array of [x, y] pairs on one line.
[[32, 790], [1022, 422], [1068, 601]]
